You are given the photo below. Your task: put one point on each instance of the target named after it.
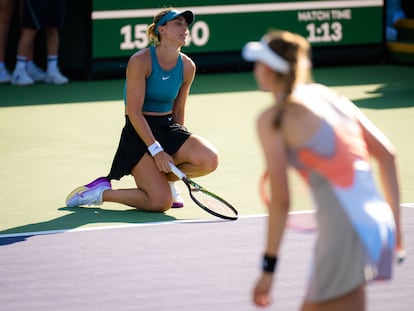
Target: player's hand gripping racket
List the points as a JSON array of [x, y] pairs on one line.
[[302, 221], [207, 200]]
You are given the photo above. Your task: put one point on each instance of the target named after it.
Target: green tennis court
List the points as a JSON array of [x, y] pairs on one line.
[[54, 138], [116, 258]]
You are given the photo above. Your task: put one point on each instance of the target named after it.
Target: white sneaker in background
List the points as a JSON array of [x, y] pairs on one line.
[[21, 77], [36, 73], [55, 77], [5, 76]]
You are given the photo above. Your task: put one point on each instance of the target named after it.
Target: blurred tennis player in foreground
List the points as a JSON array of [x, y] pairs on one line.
[[329, 141], [158, 81]]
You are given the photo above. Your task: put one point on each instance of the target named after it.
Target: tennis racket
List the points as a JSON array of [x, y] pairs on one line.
[[301, 221], [207, 200]]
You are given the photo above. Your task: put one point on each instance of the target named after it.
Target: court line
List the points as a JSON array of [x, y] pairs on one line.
[[156, 223]]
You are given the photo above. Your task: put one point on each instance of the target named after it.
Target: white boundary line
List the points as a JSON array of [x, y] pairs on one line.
[[200, 220], [155, 223], [242, 8]]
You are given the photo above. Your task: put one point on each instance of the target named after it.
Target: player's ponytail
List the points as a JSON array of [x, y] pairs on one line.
[[152, 34], [153, 38], [296, 51]]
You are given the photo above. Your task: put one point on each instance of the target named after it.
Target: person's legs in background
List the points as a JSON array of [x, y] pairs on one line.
[[53, 74], [38, 15], [20, 75], [6, 10]]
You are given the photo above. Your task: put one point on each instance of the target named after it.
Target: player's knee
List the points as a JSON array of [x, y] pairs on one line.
[[210, 162], [160, 203]]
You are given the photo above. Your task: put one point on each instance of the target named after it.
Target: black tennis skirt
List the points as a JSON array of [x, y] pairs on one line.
[[131, 147]]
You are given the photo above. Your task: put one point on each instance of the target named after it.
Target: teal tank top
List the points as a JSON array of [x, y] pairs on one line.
[[162, 86]]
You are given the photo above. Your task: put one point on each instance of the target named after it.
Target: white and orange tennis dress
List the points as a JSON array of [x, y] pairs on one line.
[[356, 230]]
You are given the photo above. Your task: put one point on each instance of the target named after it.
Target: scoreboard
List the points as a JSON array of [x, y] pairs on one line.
[[119, 27]]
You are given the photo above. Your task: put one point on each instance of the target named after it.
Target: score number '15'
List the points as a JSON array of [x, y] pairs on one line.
[[136, 38]]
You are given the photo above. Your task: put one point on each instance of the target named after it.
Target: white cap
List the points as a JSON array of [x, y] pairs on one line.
[[260, 51]]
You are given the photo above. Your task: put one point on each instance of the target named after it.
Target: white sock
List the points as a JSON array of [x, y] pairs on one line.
[[52, 63], [21, 62]]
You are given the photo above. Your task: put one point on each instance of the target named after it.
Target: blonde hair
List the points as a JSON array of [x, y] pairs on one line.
[[154, 39], [296, 50]]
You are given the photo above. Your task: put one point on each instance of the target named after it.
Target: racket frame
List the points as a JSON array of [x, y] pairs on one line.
[[193, 186]]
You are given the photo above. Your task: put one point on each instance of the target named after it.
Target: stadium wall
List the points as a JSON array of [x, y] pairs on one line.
[[100, 35]]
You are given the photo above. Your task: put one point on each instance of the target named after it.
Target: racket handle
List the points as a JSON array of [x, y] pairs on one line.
[[177, 172]]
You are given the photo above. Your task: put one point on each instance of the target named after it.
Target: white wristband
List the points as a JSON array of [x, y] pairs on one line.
[[155, 148]]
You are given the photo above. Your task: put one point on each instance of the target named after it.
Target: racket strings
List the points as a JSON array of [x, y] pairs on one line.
[[212, 203]]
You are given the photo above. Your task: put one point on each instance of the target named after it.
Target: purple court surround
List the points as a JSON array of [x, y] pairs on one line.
[[193, 265]]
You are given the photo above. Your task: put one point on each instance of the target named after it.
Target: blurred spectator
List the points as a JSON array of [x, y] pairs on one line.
[[37, 15], [394, 13], [6, 10]]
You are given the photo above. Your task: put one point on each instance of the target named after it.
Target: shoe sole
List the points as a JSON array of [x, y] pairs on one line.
[[78, 191], [177, 205], [52, 82], [22, 84]]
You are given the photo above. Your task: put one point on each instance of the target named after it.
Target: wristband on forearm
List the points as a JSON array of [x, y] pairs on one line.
[[269, 263], [155, 148]]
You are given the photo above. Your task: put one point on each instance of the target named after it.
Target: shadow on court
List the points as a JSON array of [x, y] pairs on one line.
[[397, 81], [396, 90], [390, 96], [109, 90], [79, 217]]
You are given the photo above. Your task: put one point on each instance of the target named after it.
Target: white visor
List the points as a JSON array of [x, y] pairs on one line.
[[260, 51]]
